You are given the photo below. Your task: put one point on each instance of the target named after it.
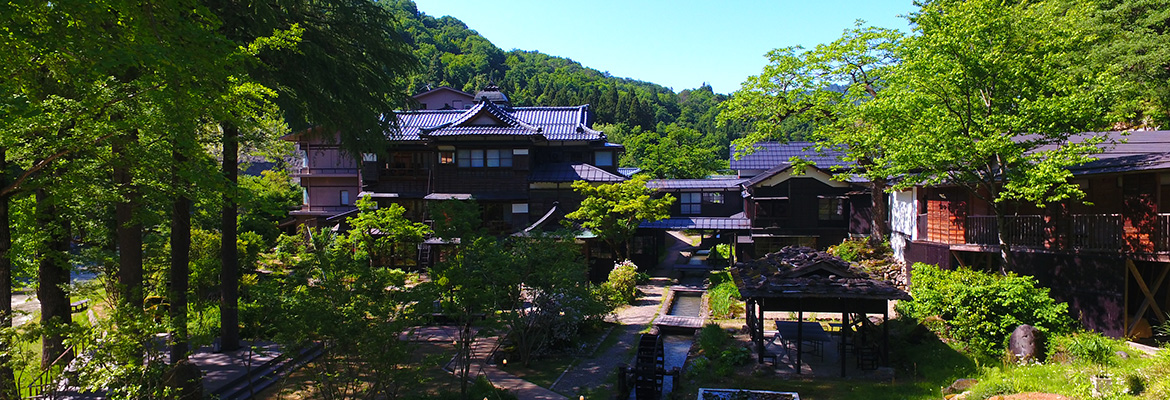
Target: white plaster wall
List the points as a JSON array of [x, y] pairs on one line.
[[903, 220]]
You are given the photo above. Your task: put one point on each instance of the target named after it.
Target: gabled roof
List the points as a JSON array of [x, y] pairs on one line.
[[565, 172], [444, 89], [487, 118], [784, 172], [768, 155]]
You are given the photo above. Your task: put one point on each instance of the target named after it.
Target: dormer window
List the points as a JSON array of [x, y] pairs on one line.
[[603, 159]]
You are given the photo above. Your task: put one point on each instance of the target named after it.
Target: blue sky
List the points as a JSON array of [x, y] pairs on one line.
[[679, 44]]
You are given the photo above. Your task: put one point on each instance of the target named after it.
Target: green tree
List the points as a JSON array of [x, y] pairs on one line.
[[614, 211], [470, 284], [824, 88], [551, 298], [1135, 40], [988, 96], [382, 234], [673, 152]]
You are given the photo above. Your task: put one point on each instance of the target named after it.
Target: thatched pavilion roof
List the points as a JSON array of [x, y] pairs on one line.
[[801, 272]]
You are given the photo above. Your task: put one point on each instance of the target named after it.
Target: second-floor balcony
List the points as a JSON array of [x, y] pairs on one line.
[[325, 172], [322, 210], [1095, 232]]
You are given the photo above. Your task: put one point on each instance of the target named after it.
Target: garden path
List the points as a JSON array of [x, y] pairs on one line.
[[595, 370]]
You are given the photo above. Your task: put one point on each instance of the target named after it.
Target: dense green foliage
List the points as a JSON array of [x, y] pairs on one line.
[[719, 355], [723, 296], [614, 211], [981, 309]]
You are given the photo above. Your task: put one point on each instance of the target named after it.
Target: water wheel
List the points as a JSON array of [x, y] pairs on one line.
[[649, 367]]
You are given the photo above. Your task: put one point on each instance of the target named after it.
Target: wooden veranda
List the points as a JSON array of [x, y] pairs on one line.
[[800, 279]]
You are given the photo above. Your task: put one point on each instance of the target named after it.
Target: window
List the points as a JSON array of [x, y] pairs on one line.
[[477, 158], [603, 159], [499, 158], [446, 157], [690, 202], [464, 158], [369, 157], [713, 198], [345, 197], [831, 208], [484, 158], [519, 208]]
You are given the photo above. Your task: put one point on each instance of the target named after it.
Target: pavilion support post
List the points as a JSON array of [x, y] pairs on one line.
[[760, 323], [841, 336], [886, 336], [799, 336]]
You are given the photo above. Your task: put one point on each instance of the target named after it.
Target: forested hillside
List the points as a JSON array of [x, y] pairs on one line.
[[452, 54]]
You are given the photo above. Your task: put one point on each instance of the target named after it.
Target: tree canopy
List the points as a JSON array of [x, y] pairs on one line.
[[614, 211]]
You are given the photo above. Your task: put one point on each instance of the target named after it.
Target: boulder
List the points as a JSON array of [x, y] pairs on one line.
[[1025, 344], [959, 386]]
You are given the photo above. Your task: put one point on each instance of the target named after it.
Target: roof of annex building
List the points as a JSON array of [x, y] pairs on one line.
[[566, 172], [768, 155], [694, 184]]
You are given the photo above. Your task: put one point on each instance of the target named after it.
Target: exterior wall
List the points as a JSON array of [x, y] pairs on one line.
[[802, 218], [1092, 285], [903, 220], [732, 203], [441, 99]]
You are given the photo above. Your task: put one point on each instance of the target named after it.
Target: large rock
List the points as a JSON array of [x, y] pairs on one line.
[[960, 386], [1025, 344]]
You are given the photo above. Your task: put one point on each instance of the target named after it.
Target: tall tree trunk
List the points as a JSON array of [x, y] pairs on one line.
[[7, 377], [879, 229], [128, 230], [53, 275], [229, 315], [180, 257]]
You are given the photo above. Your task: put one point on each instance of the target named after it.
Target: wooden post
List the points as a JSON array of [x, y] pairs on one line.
[[799, 336], [841, 337], [886, 335]]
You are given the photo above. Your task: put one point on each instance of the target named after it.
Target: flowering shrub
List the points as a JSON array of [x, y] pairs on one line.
[[621, 287]]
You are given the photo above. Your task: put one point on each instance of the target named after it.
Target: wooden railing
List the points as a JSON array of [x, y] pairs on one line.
[[1022, 230], [1075, 232], [1096, 231], [44, 386]]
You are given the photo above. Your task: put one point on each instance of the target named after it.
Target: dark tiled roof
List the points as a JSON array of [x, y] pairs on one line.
[[677, 184], [768, 155], [553, 123], [720, 223], [564, 172], [1137, 151], [801, 272]]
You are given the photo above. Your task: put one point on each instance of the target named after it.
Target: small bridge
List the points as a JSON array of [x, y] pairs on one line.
[[684, 308]]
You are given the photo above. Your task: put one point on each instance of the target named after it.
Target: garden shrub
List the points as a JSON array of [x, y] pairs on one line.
[[854, 250], [981, 309], [719, 353], [723, 296], [621, 287], [1088, 347]]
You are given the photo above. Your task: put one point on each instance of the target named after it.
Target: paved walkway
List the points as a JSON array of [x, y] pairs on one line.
[[480, 351], [595, 370]]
